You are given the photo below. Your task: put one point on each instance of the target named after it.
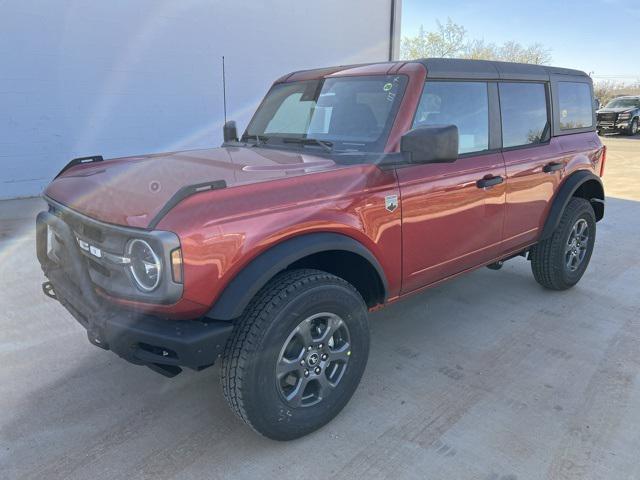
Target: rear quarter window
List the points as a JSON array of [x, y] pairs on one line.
[[575, 105]]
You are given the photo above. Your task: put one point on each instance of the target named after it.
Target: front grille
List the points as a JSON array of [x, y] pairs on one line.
[[92, 233], [98, 267], [111, 278], [607, 117], [107, 241]]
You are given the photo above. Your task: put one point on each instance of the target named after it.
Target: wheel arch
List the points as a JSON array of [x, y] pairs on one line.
[[334, 253], [583, 184]]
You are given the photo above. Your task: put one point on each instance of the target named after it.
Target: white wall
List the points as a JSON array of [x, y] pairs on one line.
[[124, 77]]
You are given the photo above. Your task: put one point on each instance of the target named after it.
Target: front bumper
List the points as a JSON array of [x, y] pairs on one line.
[[612, 126], [162, 345]]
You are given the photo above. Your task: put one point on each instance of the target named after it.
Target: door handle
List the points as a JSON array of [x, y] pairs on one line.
[[553, 167], [489, 182]]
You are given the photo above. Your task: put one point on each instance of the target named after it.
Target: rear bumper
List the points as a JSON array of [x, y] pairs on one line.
[[162, 345]]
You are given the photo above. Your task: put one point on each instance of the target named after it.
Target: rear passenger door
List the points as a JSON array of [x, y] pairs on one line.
[[452, 213], [533, 160]]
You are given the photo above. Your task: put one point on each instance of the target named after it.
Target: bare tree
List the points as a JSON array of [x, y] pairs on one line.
[[514, 52], [481, 50], [607, 90], [538, 54], [450, 41], [447, 41]]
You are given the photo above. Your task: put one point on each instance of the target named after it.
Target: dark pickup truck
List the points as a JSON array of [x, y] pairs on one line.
[[621, 114]]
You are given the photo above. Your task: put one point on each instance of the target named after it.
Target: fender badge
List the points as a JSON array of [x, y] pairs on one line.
[[391, 202]]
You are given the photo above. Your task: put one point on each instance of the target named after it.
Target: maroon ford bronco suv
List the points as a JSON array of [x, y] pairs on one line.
[[351, 188]]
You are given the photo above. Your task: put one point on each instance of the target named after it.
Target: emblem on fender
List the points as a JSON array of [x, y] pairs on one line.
[[391, 202]]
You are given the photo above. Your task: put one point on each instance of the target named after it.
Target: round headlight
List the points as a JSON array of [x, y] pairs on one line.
[[145, 266]]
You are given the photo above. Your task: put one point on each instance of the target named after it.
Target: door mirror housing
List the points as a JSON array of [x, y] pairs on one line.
[[230, 131], [431, 144]]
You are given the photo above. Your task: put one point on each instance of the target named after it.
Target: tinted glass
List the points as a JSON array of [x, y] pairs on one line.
[[523, 107], [464, 104], [623, 103], [575, 105], [353, 113]]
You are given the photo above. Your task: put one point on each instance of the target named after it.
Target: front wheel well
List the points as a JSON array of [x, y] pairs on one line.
[[592, 191], [351, 267], [331, 252]]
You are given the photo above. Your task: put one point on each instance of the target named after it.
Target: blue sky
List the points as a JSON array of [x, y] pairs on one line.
[[600, 36]]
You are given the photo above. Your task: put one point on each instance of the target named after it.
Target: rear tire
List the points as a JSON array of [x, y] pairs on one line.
[[297, 354], [559, 262]]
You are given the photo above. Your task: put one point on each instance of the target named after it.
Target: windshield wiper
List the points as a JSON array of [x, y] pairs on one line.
[[257, 139], [328, 146]]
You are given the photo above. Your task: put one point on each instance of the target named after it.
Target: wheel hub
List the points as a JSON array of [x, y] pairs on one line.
[[577, 245], [313, 360]]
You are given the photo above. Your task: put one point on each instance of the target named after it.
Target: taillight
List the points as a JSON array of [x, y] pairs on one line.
[[603, 159]]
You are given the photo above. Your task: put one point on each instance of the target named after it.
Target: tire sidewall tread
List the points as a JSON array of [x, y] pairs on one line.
[[250, 354], [548, 256]]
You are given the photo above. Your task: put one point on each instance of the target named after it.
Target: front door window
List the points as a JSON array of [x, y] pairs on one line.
[[464, 104]]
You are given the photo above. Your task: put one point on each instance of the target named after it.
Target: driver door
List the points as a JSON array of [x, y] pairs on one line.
[[453, 213]]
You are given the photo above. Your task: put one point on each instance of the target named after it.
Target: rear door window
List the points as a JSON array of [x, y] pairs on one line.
[[524, 112], [464, 104], [575, 105]]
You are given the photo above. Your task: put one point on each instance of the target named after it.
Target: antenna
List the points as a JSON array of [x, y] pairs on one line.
[[224, 91]]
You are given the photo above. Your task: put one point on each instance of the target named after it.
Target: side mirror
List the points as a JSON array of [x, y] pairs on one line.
[[431, 144], [230, 131]]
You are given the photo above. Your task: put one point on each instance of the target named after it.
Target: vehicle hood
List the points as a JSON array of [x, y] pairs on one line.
[[616, 110], [131, 191]]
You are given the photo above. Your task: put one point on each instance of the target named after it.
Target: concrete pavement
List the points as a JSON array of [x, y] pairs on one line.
[[488, 377]]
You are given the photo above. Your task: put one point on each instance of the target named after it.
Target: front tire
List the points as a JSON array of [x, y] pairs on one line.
[[297, 354], [633, 128], [559, 262]]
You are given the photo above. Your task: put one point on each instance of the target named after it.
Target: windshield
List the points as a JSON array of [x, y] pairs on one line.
[[343, 114], [623, 102]]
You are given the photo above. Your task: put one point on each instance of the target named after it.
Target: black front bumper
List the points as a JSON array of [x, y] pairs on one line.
[[612, 127], [162, 345], [611, 123]]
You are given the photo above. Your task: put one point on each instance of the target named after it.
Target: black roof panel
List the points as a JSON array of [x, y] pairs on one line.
[[491, 70]]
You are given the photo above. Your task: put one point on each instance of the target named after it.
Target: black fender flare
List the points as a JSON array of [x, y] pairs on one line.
[[566, 191], [246, 284]]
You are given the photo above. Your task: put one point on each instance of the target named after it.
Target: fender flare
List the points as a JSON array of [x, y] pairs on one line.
[[246, 284], [567, 190]]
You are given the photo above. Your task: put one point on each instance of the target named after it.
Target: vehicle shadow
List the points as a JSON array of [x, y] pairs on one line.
[[435, 357]]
